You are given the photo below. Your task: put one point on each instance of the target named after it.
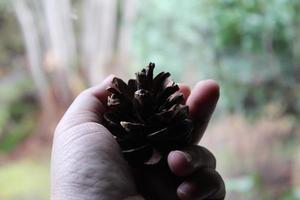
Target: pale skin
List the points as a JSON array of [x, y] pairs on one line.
[[87, 163]]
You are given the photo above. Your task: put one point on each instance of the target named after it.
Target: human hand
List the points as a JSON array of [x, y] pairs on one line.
[[87, 162]]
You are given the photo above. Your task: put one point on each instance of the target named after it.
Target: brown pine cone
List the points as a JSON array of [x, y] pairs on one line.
[[147, 116]]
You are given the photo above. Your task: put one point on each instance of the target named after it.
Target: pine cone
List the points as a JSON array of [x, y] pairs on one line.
[[147, 117]]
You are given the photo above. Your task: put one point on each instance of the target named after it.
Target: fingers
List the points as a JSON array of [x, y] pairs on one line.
[[205, 184], [87, 107], [190, 159], [198, 165], [202, 102]]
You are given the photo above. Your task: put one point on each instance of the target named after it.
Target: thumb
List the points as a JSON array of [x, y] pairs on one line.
[[88, 106]]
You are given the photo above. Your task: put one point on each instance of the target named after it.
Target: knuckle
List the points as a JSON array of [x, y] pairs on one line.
[[216, 182], [201, 157]]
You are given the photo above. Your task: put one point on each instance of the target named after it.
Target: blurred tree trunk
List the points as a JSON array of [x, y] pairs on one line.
[[127, 10], [98, 37], [57, 42], [60, 53], [106, 34], [34, 51]]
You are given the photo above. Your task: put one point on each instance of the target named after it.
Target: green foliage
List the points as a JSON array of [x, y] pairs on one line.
[[290, 195], [165, 33], [11, 40], [250, 24], [17, 114], [4, 4], [251, 187], [252, 47], [16, 134], [246, 186]]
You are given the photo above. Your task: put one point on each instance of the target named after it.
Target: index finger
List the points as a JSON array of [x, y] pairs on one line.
[[202, 102]]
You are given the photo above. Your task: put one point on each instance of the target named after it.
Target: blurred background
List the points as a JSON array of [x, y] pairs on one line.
[[50, 50]]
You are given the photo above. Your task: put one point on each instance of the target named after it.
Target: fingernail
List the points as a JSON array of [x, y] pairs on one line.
[[183, 191], [187, 156], [180, 163]]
